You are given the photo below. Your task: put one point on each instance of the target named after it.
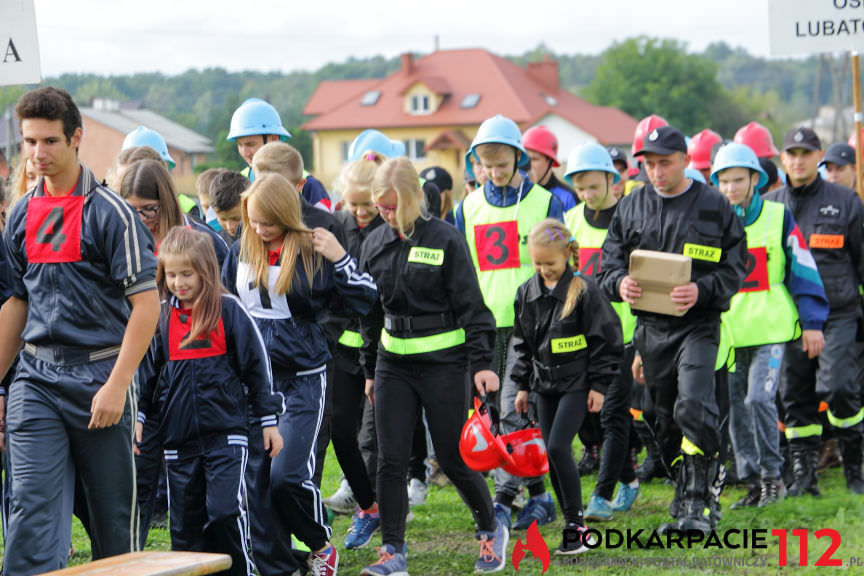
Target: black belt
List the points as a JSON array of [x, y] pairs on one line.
[[402, 324], [69, 355], [559, 371]]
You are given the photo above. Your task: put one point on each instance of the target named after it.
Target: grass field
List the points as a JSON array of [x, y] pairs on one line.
[[441, 537]]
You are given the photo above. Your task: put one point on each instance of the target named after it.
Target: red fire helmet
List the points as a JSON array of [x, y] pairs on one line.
[[480, 448], [700, 149], [758, 138], [528, 452], [645, 126]]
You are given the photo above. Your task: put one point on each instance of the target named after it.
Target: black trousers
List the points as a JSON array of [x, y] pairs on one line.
[[830, 377], [349, 397], [678, 361], [616, 419], [401, 388], [205, 485], [561, 416]]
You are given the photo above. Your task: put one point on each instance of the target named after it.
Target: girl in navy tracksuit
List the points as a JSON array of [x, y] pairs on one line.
[[206, 354], [287, 276], [567, 342]]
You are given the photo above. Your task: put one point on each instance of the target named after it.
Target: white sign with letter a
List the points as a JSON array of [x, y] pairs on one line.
[[19, 43]]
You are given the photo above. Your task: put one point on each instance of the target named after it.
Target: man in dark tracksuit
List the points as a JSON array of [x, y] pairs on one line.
[[830, 218], [677, 215], [84, 304]]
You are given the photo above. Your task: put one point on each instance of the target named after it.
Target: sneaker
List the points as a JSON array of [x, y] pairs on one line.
[[751, 498], [625, 497], [363, 527], [590, 462], [493, 550], [323, 563], [417, 490], [390, 563], [540, 508], [342, 501], [599, 509], [773, 491], [503, 514], [574, 539]]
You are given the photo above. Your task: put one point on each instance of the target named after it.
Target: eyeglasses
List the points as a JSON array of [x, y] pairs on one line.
[[148, 212], [386, 209]]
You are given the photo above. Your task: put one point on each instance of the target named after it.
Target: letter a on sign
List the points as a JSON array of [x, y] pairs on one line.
[[19, 43]]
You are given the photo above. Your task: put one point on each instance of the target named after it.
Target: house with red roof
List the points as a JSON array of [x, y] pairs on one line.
[[436, 103]]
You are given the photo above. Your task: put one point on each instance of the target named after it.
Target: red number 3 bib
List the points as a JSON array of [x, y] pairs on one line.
[[497, 246], [53, 229]]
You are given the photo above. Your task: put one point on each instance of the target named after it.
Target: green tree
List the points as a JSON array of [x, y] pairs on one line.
[[645, 76]]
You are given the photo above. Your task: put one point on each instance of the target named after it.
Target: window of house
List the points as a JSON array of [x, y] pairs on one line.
[[370, 98], [470, 101], [420, 104], [415, 149]]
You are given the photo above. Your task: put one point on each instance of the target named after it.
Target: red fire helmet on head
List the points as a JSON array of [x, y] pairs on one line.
[[645, 127], [541, 139], [758, 138], [700, 149], [479, 446]]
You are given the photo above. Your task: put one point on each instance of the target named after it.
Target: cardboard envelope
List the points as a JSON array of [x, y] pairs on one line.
[[657, 273]]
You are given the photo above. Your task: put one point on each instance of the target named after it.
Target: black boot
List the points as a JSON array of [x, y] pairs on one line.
[[804, 463], [651, 466], [590, 462], [676, 505], [699, 474], [851, 450]]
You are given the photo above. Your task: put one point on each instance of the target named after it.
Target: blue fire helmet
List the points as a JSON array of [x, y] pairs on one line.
[[590, 157], [735, 155], [501, 130], [143, 136], [255, 117], [375, 141]]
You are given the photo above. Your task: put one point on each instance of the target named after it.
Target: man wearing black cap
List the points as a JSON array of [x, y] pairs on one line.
[[830, 218], [444, 182], [677, 215], [839, 163]]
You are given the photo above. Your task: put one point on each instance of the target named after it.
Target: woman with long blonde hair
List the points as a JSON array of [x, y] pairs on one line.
[[288, 276], [429, 328]]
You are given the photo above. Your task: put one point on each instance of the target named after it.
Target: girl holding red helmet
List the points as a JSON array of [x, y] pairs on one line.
[[567, 343]]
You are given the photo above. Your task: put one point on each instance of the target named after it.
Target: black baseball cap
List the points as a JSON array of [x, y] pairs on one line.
[[840, 154], [438, 176], [802, 137], [664, 140], [618, 156]]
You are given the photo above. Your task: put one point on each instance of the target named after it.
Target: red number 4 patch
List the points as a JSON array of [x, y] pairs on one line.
[[53, 229]]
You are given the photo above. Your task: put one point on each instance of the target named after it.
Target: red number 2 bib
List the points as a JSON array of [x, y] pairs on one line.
[[497, 246], [757, 270], [53, 229]]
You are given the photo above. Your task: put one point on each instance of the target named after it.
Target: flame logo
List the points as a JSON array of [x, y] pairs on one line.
[[534, 544]]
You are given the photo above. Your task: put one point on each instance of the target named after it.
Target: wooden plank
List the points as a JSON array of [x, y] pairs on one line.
[[151, 564]]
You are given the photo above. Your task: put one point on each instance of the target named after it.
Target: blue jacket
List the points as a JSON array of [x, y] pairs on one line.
[[291, 323], [219, 243], [77, 291], [200, 389]]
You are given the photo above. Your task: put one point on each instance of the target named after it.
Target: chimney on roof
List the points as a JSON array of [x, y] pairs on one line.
[[407, 63], [545, 73]]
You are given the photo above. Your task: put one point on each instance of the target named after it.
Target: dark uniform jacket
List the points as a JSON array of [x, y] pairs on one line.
[[291, 323], [579, 352], [700, 216], [348, 359], [413, 289], [75, 260], [200, 388], [830, 219]]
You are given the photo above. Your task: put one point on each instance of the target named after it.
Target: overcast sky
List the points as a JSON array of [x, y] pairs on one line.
[[171, 36]]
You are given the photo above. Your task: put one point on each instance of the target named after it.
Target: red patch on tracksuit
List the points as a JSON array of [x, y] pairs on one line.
[[206, 346], [53, 229]]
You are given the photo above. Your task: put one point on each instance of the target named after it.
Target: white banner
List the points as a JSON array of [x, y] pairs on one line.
[[799, 27], [19, 43]]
